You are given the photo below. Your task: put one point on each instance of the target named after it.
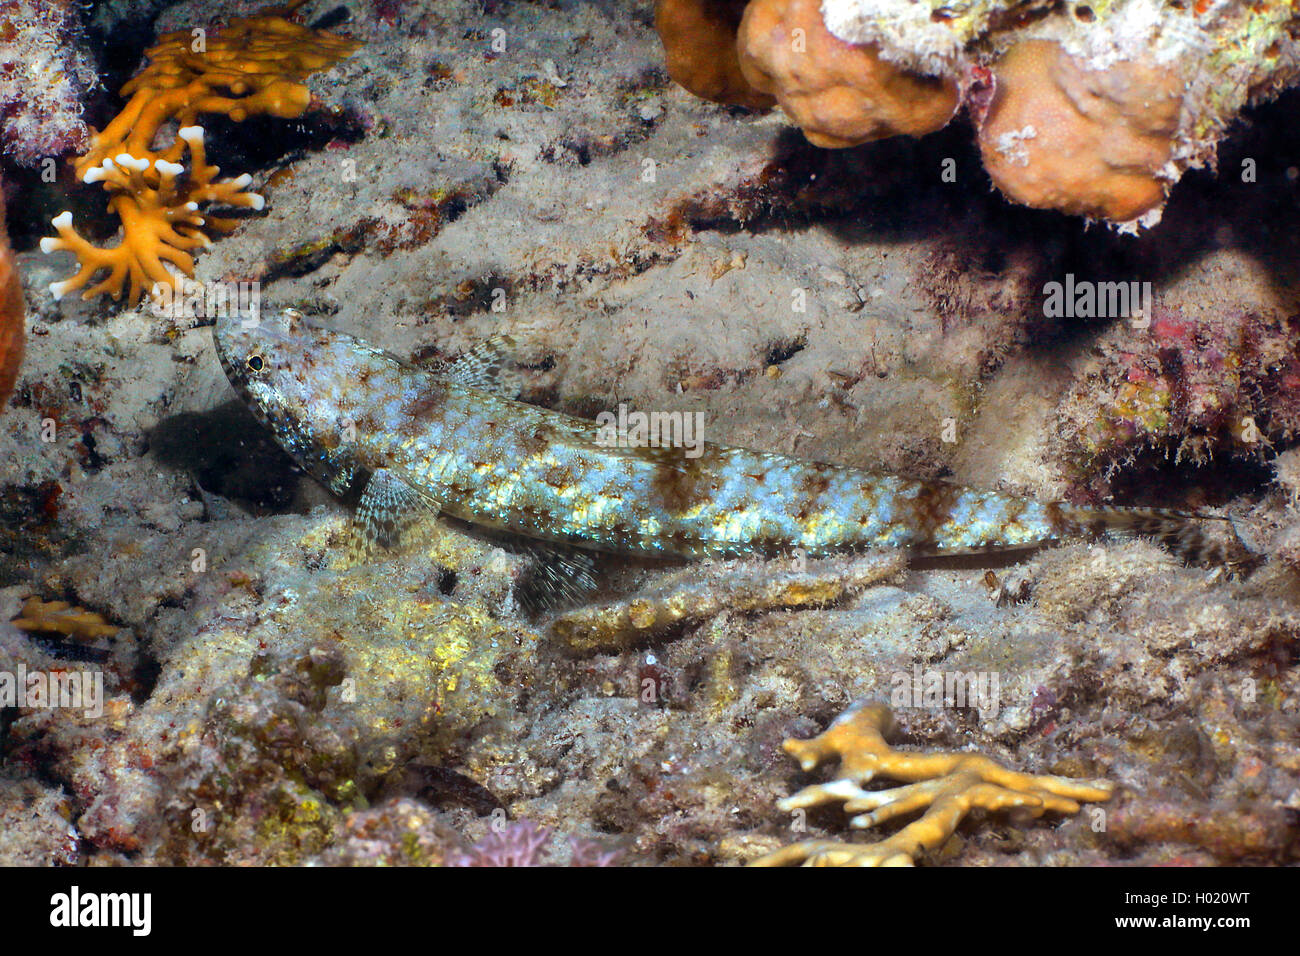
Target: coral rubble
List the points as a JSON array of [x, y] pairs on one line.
[[699, 592], [253, 66]]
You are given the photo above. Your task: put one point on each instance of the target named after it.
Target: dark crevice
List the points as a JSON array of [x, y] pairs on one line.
[[893, 191], [261, 142], [144, 677], [446, 581], [1156, 480], [779, 352], [332, 19]]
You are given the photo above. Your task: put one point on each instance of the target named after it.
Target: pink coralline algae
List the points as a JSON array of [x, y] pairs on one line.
[[1192, 389], [44, 73], [526, 844]]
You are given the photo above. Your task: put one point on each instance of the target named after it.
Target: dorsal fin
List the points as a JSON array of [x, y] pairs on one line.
[[485, 367]]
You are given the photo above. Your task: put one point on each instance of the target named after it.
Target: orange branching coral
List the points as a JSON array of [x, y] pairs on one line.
[[11, 311], [161, 223], [946, 785], [253, 66], [60, 617]]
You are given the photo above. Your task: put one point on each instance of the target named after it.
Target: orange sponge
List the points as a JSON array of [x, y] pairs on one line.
[[1093, 143], [11, 312], [699, 38], [839, 93]]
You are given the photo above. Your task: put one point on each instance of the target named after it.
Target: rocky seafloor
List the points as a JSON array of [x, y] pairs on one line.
[[267, 703]]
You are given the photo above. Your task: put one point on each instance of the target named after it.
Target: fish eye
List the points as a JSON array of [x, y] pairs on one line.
[[255, 363]]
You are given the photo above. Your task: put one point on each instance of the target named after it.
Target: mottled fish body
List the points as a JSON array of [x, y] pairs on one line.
[[412, 441]]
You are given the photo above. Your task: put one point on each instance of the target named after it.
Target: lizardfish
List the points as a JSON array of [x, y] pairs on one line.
[[408, 441]]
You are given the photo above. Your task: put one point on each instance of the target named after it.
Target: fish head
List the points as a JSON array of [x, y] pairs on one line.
[[302, 380]]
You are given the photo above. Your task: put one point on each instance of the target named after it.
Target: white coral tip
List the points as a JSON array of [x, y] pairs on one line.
[[239, 182], [61, 220], [95, 173], [191, 134], [168, 169], [256, 202], [50, 244], [191, 206], [58, 288], [128, 161]]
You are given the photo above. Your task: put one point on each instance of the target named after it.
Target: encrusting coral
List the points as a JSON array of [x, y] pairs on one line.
[[1095, 110], [44, 73], [253, 66], [947, 785], [524, 843], [1189, 389]]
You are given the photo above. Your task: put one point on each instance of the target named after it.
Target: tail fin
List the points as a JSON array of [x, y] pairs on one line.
[[1181, 532]]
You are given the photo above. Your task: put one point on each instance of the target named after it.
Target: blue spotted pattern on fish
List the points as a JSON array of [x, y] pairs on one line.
[[414, 441]]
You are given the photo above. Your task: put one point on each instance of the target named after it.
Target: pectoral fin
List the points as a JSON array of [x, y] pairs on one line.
[[389, 506]]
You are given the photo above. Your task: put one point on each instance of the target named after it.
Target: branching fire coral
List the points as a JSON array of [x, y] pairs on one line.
[[60, 617], [254, 66], [161, 223], [946, 785]]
